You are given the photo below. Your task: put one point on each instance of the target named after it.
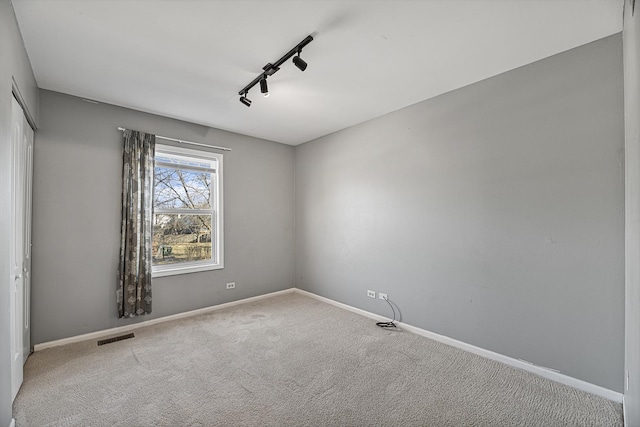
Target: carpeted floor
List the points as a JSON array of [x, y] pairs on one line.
[[289, 361]]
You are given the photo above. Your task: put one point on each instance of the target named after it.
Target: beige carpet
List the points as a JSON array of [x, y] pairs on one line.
[[289, 361]]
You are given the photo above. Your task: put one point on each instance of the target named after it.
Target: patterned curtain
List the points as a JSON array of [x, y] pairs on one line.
[[134, 288]]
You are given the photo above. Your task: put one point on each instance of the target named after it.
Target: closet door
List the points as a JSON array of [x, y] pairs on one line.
[[16, 255], [28, 191]]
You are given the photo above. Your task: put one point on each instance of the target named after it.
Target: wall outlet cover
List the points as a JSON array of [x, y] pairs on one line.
[[371, 294]]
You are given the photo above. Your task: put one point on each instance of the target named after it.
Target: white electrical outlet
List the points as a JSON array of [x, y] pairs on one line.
[[371, 294], [231, 285], [382, 296]]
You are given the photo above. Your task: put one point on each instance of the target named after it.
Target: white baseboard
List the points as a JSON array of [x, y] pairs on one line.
[[516, 363], [12, 423], [364, 313], [127, 328]]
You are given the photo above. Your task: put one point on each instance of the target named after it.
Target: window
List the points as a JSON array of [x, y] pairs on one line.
[[187, 211]]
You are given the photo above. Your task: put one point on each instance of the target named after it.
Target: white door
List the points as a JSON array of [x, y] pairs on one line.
[[16, 254], [26, 268]]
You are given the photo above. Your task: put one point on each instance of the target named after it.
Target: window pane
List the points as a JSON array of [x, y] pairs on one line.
[[185, 160], [179, 188], [181, 238]]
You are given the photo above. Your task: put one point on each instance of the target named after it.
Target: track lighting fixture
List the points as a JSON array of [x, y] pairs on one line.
[[270, 69], [246, 101], [299, 62], [263, 87]]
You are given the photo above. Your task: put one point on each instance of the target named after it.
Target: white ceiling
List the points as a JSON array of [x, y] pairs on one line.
[[188, 59]]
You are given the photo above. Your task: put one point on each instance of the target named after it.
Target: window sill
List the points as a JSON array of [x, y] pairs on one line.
[[185, 269]]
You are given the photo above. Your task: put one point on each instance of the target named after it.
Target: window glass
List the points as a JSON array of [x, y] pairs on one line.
[[187, 205]]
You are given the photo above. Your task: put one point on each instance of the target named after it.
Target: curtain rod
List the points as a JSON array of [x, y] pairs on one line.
[[186, 142]]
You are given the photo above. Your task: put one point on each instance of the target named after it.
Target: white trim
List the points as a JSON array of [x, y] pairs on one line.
[[183, 268], [127, 328], [15, 89], [516, 363], [12, 423], [341, 305], [216, 212], [519, 364], [624, 412]]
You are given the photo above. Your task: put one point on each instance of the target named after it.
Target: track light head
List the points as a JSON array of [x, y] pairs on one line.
[[246, 101], [263, 87], [299, 62]]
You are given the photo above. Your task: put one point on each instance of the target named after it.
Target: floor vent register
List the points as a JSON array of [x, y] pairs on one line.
[[114, 339]]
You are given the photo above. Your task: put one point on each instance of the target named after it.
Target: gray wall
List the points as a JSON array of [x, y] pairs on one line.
[[631, 41], [493, 214], [13, 63], [76, 222]]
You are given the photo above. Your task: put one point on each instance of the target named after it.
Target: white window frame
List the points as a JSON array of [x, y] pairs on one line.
[[217, 212]]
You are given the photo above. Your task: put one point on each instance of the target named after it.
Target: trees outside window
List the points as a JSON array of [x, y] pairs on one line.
[[187, 203]]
